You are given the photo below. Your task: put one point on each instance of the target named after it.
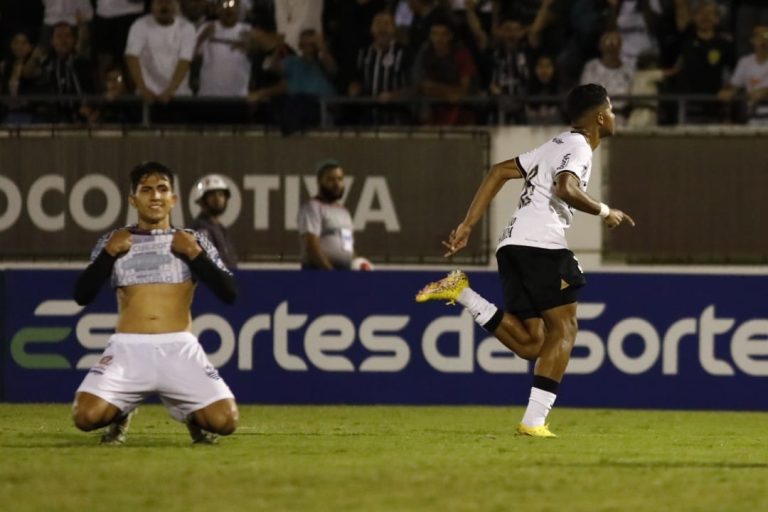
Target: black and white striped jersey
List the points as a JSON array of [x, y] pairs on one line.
[[382, 70]]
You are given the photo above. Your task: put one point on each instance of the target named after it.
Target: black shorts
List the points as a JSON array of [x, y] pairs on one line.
[[535, 280]]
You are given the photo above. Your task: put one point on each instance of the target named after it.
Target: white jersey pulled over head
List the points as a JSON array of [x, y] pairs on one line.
[[541, 217]]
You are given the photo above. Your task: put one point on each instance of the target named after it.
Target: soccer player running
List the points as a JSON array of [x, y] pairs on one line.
[[154, 268], [540, 277]]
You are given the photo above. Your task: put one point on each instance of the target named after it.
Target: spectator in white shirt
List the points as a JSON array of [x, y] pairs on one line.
[[159, 51], [611, 72], [226, 66], [751, 77]]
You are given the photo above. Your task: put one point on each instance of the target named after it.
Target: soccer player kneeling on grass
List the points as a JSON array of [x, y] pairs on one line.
[[154, 268], [540, 277]]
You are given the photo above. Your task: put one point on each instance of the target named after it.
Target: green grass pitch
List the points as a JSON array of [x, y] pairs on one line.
[[390, 458]]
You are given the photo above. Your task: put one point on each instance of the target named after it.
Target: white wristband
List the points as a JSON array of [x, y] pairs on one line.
[[604, 210]]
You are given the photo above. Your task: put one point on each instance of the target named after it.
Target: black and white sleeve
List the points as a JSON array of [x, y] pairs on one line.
[[210, 269]]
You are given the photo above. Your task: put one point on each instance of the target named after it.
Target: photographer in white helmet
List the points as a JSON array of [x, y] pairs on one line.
[[212, 193]]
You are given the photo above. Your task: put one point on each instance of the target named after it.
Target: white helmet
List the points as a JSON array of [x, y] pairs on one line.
[[209, 183]]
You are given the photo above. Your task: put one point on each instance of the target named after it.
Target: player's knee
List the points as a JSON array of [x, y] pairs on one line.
[[531, 348], [533, 335], [226, 426], [87, 419], [537, 341], [225, 423]]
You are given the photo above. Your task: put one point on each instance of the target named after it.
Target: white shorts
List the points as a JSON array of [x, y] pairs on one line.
[[172, 365]]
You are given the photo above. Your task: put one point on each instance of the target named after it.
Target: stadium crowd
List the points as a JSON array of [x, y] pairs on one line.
[[381, 62]]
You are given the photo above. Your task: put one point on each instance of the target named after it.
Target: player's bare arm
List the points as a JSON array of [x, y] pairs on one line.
[[567, 188], [499, 174]]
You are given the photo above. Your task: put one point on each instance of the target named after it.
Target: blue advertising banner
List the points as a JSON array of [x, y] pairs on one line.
[[645, 341]]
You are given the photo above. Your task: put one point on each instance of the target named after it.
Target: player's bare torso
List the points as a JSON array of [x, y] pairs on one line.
[[155, 308]]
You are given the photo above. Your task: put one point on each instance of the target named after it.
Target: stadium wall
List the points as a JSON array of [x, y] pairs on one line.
[[404, 190], [59, 190], [696, 341]]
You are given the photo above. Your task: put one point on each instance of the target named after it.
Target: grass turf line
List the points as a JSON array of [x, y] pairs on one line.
[[389, 458]]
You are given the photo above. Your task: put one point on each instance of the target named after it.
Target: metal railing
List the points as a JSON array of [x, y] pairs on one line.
[[674, 109]]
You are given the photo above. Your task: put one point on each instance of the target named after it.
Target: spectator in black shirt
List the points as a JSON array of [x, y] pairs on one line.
[[381, 71], [13, 81], [544, 82], [347, 30], [706, 56], [510, 68], [62, 73]]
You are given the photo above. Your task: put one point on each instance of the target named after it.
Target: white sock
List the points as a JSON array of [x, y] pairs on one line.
[[539, 405], [480, 309]]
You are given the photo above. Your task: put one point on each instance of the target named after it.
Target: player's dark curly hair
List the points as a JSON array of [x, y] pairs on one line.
[[145, 168], [583, 98]]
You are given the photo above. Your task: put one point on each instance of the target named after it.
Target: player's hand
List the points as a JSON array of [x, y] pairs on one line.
[[119, 243], [457, 240], [185, 243], [616, 217]]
